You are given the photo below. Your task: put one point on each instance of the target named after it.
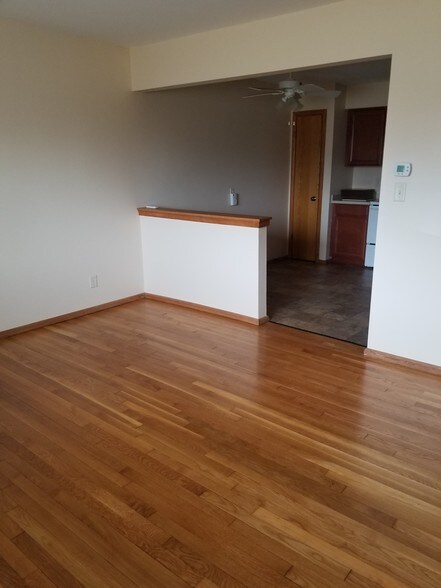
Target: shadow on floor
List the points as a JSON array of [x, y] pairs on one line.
[[327, 299]]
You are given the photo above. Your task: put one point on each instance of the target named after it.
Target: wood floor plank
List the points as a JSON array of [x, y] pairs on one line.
[[47, 565], [229, 565], [9, 577], [38, 580], [151, 446], [294, 536], [136, 566], [72, 553], [8, 527], [15, 558]]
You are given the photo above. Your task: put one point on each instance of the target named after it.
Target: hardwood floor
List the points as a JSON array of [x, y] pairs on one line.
[[155, 446]]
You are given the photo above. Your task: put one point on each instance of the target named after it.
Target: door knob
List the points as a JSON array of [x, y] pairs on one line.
[[313, 198]]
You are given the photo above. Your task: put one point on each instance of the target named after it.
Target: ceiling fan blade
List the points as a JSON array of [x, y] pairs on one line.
[[308, 88], [262, 94], [267, 89], [313, 90], [291, 93]]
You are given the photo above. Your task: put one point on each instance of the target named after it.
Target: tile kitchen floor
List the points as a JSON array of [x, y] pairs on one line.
[[327, 299]]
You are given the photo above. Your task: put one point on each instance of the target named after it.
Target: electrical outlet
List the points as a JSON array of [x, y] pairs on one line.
[[233, 198], [93, 281]]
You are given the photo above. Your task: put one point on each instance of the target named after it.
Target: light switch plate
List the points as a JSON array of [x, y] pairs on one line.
[[400, 192]]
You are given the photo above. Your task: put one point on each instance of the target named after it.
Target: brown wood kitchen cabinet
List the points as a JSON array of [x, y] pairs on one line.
[[348, 233], [365, 136]]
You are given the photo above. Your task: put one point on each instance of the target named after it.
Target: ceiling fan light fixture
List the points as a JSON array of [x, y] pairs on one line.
[[293, 102]]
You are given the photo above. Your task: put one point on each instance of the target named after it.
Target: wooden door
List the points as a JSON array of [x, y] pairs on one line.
[[309, 130]]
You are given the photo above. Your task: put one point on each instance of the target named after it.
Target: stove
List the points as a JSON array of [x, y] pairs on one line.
[[365, 195]]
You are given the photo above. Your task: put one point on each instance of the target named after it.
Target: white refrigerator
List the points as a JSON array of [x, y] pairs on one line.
[[371, 235]]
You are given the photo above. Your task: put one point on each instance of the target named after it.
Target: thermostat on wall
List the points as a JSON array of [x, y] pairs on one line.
[[403, 169]]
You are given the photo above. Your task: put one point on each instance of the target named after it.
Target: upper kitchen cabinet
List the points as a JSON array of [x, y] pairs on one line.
[[365, 136]]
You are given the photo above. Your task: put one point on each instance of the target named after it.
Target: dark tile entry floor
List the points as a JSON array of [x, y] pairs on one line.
[[327, 299]]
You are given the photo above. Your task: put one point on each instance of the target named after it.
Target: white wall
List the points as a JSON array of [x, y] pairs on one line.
[[67, 198], [342, 175], [203, 140], [367, 177], [405, 313], [213, 265], [368, 95]]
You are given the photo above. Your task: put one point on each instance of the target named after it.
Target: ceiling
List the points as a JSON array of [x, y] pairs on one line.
[[347, 74], [132, 22]]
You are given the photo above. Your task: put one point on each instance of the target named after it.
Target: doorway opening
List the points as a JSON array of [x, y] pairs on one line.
[[324, 284], [207, 164]]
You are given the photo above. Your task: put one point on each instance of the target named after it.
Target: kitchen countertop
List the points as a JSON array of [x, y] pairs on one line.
[[359, 202]]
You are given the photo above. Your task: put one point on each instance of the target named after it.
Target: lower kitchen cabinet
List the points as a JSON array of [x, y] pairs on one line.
[[348, 233]]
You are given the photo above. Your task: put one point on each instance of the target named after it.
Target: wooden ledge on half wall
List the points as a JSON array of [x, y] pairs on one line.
[[217, 218]]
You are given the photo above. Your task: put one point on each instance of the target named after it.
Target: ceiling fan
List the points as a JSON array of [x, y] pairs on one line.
[[291, 92]]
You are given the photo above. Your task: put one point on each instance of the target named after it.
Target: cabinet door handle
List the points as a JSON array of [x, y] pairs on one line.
[[313, 198]]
